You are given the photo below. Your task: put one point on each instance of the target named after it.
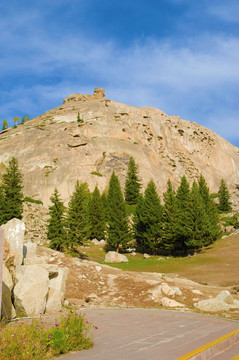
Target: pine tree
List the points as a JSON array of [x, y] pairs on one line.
[[169, 218], [148, 220], [224, 197], [118, 228], [200, 224], [4, 125], [96, 216], [184, 221], [104, 200], [78, 215], [132, 185], [12, 192], [56, 231], [211, 212]]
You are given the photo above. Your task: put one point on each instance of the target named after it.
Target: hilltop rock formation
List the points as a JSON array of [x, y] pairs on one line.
[[54, 150]]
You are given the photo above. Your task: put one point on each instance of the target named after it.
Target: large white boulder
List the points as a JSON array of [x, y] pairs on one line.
[[29, 253], [211, 305], [14, 234], [114, 257], [8, 311], [31, 290], [225, 296], [57, 287]]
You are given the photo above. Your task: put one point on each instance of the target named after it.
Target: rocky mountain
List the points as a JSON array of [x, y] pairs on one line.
[[89, 136]]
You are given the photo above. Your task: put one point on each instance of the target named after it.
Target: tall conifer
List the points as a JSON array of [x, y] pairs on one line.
[[183, 224], [12, 191], [96, 216], [224, 197], [211, 212], [118, 227], [78, 215], [169, 218], [56, 231], [148, 220], [132, 184]]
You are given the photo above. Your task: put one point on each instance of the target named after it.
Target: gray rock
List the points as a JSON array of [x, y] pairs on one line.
[[146, 256], [225, 296], [166, 302], [14, 234], [211, 305], [57, 287], [114, 257], [31, 290], [8, 310]]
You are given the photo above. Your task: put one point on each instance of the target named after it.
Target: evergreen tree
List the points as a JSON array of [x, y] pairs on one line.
[[169, 218], [104, 201], [148, 220], [224, 197], [78, 215], [184, 221], [118, 228], [211, 212], [12, 192], [132, 185], [4, 125], [56, 231], [200, 224], [96, 216]]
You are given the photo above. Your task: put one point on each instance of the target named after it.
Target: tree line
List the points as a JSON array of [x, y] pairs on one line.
[[186, 220], [16, 120]]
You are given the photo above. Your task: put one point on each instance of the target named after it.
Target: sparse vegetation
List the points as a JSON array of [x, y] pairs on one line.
[[80, 120], [96, 173], [31, 200], [37, 340]]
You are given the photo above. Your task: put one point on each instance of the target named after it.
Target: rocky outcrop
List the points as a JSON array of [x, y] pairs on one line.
[[163, 147], [170, 303], [114, 257], [36, 286]]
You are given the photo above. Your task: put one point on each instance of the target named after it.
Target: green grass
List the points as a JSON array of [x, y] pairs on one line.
[[38, 340]]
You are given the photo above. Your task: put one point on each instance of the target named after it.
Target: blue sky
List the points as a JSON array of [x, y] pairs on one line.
[[181, 56]]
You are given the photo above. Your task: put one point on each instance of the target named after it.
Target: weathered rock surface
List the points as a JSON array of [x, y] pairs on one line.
[[225, 296], [211, 305], [114, 257], [8, 311], [49, 146], [170, 291], [170, 303], [31, 290], [14, 235]]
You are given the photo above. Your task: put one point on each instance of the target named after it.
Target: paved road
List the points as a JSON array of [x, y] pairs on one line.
[[143, 334]]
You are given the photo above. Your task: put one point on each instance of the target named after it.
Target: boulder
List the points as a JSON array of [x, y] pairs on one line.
[[166, 302], [98, 268], [170, 291], [114, 257], [14, 234], [211, 305], [146, 256], [31, 290], [57, 288], [156, 292], [29, 253], [8, 311], [8, 257], [225, 296], [95, 242], [197, 292]]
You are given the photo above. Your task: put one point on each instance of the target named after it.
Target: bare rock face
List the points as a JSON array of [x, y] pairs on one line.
[[14, 235], [57, 287], [54, 150], [8, 310], [211, 305]]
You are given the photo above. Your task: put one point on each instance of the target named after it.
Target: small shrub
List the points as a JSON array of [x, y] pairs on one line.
[[96, 173], [79, 119], [31, 200]]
